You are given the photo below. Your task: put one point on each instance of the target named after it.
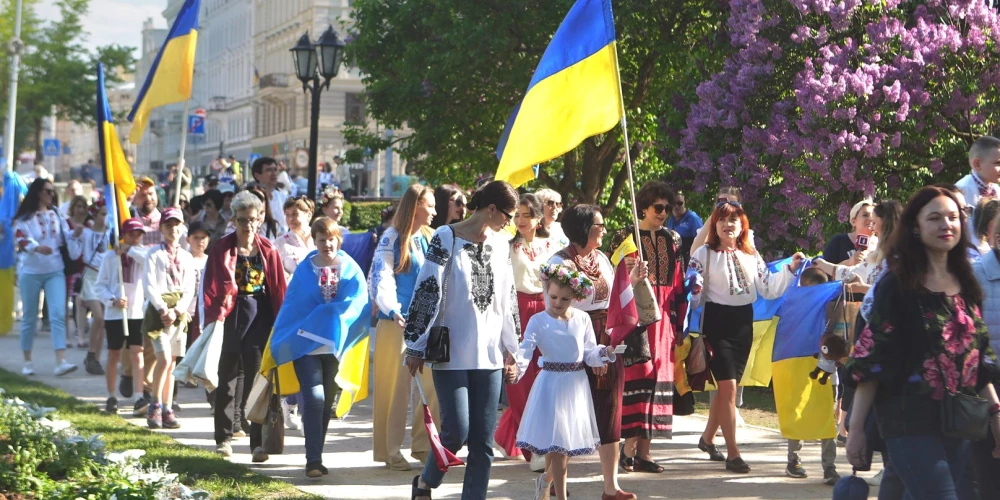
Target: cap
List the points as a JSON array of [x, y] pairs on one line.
[[172, 213], [850, 488], [132, 224], [211, 178], [145, 181], [198, 226]]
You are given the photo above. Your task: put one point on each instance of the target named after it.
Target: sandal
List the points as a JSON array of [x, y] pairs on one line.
[[626, 464], [713, 451], [418, 492], [643, 465]]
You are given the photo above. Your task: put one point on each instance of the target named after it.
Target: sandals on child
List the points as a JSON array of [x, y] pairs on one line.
[[418, 492]]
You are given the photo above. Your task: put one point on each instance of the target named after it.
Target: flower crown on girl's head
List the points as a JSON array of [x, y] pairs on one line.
[[329, 194], [581, 285]]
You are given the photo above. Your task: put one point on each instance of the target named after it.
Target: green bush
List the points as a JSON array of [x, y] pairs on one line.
[[365, 214]]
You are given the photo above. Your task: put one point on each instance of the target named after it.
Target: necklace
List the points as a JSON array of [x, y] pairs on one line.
[[591, 266]]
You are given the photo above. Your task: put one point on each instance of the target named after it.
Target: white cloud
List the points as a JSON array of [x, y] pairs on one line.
[[113, 21]]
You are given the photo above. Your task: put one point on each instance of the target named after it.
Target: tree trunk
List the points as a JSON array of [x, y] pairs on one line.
[[39, 143]]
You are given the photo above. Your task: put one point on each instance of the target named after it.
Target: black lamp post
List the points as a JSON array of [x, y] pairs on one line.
[[312, 61]]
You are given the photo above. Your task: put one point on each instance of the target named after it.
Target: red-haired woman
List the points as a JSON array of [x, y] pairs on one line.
[[736, 275]]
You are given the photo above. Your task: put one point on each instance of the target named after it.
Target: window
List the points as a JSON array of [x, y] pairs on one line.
[[354, 109]]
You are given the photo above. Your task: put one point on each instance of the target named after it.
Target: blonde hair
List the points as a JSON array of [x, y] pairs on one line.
[[403, 221], [546, 195], [328, 228]]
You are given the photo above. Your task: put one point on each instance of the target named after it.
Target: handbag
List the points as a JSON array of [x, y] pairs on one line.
[[70, 266], [438, 338], [963, 416], [698, 358], [273, 431], [259, 398]]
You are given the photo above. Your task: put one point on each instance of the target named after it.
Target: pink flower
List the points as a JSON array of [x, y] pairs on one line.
[[863, 347], [970, 369]]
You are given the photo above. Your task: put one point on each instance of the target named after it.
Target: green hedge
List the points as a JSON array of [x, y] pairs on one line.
[[365, 214]]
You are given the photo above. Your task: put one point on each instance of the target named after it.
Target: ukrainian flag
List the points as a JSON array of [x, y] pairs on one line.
[[119, 183], [14, 189], [805, 407], [169, 79], [574, 94]]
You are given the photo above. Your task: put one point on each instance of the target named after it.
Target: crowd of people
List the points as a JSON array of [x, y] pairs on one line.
[[509, 294]]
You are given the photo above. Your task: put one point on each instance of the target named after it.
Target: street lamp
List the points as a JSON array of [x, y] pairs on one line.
[[312, 61]]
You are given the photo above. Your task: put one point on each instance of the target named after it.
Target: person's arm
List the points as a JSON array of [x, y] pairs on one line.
[[383, 277], [427, 296], [510, 330], [151, 285], [107, 289], [189, 286], [75, 243], [857, 441], [526, 350], [701, 237], [773, 285], [594, 355], [22, 234]]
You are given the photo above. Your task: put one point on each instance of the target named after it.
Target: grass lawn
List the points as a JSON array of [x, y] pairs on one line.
[[758, 406], [199, 469]]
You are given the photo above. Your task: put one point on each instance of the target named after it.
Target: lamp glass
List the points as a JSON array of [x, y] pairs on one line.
[[304, 57], [330, 49]]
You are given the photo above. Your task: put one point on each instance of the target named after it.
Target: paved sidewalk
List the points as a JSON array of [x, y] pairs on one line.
[[353, 474]]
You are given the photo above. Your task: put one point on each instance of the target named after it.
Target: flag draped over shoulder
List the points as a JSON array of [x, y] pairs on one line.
[[119, 183], [804, 406], [623, 316], [14, 189], [575, 93], [169, 79]]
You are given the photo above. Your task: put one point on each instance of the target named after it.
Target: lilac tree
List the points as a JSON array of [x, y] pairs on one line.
[[823, 102]]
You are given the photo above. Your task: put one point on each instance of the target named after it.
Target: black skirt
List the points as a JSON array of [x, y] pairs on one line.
[[729, 332]]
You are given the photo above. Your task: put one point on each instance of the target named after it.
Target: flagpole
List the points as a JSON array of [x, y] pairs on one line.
[[180, 161], [120, 268], [628, 156]]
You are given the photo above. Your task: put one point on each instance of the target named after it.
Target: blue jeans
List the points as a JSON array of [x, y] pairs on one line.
[[468, 400], [31, 286], [318, 391], [930, 467]]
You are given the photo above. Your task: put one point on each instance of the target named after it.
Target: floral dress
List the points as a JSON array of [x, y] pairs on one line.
[[917, 344]]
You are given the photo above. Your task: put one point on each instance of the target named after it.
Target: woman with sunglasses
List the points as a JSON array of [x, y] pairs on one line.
[[726, 193], [469, 259], [553, 206], [38, 233], [649, 369], [584, 226], [450, 203], [211, 214], [736, 276]]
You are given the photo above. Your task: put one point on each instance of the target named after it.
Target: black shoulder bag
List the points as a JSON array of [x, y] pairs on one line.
[[438, 338]]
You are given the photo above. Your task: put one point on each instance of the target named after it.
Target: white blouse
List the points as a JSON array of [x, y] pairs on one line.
[[481, 306], [557, 235], [527, 259], [293, 250], [110, 288], [43, 228], [601, 298], [90, 244], [735, 278]]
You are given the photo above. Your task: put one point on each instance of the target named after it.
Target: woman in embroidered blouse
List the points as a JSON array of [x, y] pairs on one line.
[[311, 333], [89, 244], [79, 211], [294, 245], [885, 216], [726, 258], [925, 336], [39, 232], [584, 226], [476, 257], [244, 286], [530, 249], [649, 381], [397, 261]]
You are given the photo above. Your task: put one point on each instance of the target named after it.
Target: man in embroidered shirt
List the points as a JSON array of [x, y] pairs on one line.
[[144, 209], [169, 283], [981, 182], [265, 172], [686, 223]]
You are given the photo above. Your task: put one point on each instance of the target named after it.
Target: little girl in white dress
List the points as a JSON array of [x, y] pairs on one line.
[[558, 419]]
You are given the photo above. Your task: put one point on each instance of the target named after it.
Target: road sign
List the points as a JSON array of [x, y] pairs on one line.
[[50, 147], [254, 157], [66, 150], [196, 124]]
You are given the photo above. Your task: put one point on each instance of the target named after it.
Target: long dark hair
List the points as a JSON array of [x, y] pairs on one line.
[[889, 211], [535, 207], [29, 205], [497, 193], [442, 195], [908, 259]]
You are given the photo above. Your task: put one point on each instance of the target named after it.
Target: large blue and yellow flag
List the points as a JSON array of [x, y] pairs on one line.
[[805, 406], [169, 79], [574, 94], [119, 183], [14, 188]]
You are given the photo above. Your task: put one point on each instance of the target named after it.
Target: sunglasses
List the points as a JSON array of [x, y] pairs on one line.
[[659, 207], [554, 204], [49, 191], [459, 203], [243, 221], [509, 216], [721, 204]]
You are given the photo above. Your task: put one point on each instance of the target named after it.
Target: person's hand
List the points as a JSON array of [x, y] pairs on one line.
[[857, 448], [797, 261], [122, 249], [399, 320], [78, 231], [695, 289], [629, 263], [510, 374], [639, 273], [44, 250], [168, 317], [600, 370], [121, 303], [415, 365], [859, 257]]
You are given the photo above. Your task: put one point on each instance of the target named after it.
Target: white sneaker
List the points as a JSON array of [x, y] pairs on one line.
[[537, 463], [28, 370], [64, 368], [292, 419], [876, 479], [739, 419], [542, 488]]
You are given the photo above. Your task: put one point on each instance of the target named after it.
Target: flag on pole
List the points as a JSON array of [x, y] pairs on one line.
[[442, 455], [623, 316], [169, 79], [574, 94], [118, 181]]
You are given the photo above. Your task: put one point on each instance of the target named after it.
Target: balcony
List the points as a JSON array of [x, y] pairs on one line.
[[275, 80]]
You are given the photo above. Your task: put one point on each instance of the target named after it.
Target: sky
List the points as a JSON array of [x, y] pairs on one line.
[[114, 21]]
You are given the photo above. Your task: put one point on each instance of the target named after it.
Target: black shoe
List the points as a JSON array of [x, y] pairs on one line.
[[125, 386], [323, 469], [314, 470], [146, 394], [830, 476], [140, 407], [92, 365], [190, 385], [737, 465], [795, 470], [175, 406], [625, 463], [112, 405], [713, 451]]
